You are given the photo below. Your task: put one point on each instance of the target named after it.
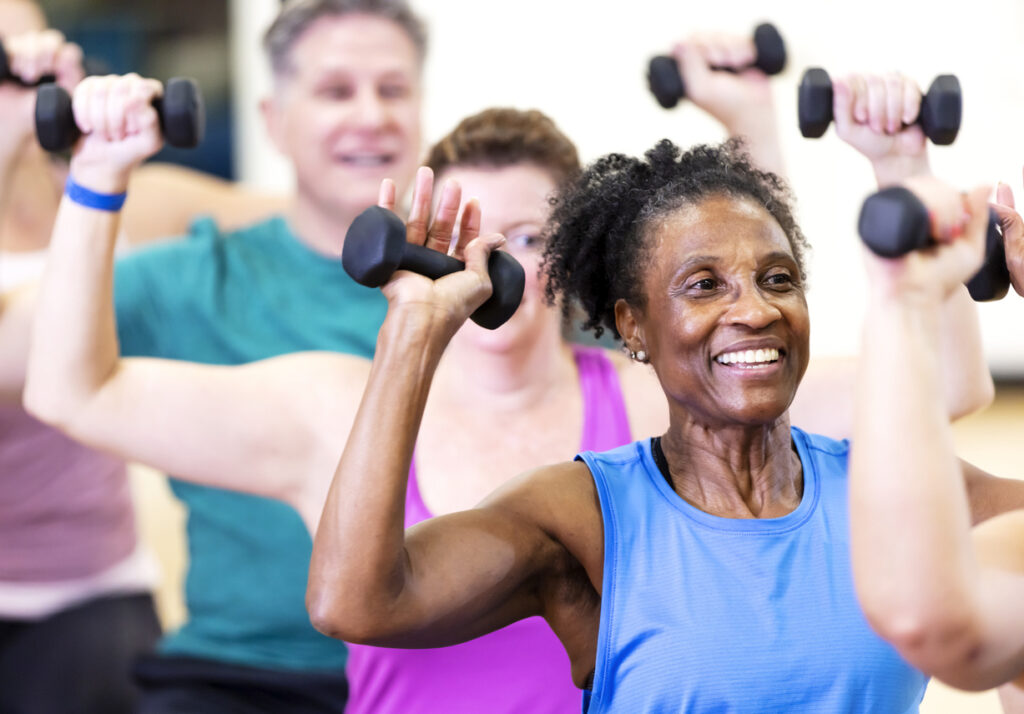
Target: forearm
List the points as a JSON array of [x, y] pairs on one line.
[[966, 379], [761, 132], [893, 169], [913, 563], [357, 573], [74, 348]]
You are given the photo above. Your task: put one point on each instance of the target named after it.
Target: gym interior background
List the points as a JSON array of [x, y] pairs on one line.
[[583, 63]]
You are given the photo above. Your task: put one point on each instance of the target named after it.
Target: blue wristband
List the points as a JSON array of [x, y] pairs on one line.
[[90, 199]]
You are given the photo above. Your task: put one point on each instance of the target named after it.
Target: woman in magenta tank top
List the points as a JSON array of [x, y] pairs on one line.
[[519, 668]]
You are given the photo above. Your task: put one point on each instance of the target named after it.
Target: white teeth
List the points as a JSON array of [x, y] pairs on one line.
[[749, 357]]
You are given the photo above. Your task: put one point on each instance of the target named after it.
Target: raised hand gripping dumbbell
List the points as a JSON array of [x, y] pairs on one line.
[[375, 247], [7, 76], [666, 82], [939, 116], [181, 111], [894, 222]]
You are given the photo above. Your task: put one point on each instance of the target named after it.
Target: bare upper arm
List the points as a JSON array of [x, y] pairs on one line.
[[475, 571], [273, 428], [16, 309]]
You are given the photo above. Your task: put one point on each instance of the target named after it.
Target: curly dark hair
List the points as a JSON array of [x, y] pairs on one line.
[[596, 237]]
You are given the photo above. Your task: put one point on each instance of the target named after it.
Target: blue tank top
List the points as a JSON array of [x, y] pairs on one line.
[[707, 614]]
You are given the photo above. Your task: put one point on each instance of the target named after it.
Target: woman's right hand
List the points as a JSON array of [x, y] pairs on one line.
[[120, 129], [31, 56], [448, 301], [959, 224]]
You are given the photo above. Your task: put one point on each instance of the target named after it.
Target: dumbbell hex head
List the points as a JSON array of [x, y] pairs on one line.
[[375, 247], [182, 113], [814, 102], [942, 109]]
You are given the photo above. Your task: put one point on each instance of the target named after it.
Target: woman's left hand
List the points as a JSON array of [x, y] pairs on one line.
[[959, 223], [1013, 235]]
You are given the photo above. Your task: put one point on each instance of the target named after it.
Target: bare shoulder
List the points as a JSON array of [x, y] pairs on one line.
[[646, 405]]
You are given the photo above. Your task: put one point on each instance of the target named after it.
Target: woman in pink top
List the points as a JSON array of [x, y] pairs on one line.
[[276, 428]]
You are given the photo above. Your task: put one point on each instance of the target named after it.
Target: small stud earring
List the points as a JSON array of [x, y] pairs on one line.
[[641, 356]]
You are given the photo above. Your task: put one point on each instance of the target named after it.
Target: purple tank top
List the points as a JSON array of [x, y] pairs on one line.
[[65, 511], [519, 668]]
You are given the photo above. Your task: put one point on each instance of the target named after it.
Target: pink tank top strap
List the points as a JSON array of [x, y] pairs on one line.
[[605, 421]]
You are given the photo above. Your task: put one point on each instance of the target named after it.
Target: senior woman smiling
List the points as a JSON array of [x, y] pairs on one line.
[[704, 570]]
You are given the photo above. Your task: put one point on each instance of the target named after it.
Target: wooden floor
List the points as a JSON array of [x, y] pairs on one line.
[[992, 439]]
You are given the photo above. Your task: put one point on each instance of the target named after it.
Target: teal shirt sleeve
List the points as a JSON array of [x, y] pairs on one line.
[[147, 286]]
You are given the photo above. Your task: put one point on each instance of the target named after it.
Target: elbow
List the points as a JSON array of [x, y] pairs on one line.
[[941, 642], [332, 616], [47, 405]]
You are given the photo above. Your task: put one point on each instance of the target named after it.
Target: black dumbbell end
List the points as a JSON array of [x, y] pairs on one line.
[[5, 67], [182, 113], [771, 50], [665, 81], [894, 222], [941, 110], [55, 120], [814, 102], [508, 279], [373, 247], [992, 281]]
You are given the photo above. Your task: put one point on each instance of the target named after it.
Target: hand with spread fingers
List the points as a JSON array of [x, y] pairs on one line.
[[452, 298]]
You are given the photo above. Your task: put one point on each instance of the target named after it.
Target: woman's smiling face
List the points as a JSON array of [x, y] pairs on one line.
[[725, 323]]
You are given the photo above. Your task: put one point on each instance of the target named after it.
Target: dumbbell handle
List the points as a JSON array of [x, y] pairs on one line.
[[181, 111], [894, 222]]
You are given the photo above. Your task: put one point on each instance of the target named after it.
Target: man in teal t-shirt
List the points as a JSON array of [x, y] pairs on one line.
[[345, 110]]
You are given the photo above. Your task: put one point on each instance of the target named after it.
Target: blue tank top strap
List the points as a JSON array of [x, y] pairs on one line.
[[605, 421]]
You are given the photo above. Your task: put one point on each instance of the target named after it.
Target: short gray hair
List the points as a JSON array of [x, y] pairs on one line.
[[296, 16]]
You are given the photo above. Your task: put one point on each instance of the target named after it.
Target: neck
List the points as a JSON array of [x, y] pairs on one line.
[[320, 228], [734, 471], [513, 380]]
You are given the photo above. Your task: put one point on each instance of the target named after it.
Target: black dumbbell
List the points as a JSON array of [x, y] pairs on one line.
[[666, 82], [939, 115], [375, 247], [7, 76], [181, 111], [894, 222]]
